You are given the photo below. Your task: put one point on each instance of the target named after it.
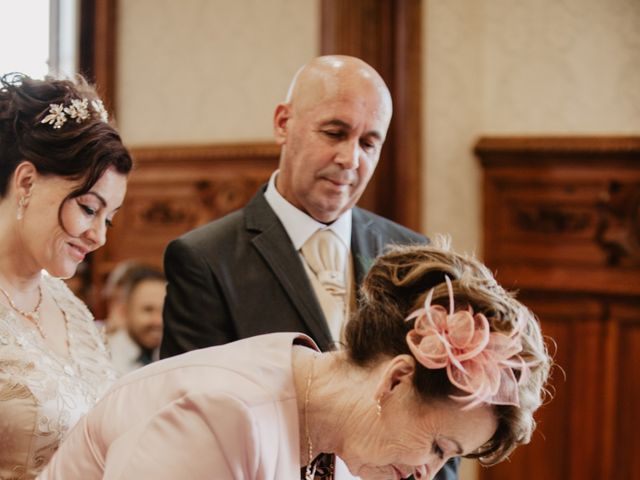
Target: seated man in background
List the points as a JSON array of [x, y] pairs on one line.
[[137, 344]]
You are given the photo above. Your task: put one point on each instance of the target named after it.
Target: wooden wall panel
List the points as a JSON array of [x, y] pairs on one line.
[[626, 461], [562, 225], [97, 49], [175, 189]]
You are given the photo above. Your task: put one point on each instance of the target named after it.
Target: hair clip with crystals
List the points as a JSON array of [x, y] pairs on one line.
[[77, 109]]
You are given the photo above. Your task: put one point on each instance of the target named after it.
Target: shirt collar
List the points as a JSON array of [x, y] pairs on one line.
[[300, 226]]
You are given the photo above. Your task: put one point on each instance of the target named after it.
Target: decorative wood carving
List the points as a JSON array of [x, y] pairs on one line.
[[387, 35], [550, 220], [618, 231], [175, 189], [561, 226]]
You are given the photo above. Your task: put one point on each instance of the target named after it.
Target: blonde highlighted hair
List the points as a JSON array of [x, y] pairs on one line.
[[398, 283]]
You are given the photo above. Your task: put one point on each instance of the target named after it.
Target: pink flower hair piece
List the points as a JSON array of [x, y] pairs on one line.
[[478, 361]]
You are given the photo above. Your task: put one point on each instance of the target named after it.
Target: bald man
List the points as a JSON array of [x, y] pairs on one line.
[[244, 274]]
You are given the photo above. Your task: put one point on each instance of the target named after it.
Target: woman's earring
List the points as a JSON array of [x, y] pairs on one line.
[[378, 407], [21, 204]]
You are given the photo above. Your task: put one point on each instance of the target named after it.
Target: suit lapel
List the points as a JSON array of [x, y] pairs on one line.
[[274, 245], [366, 244]]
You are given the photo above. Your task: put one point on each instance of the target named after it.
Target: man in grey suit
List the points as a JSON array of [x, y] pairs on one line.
[[243, 274]]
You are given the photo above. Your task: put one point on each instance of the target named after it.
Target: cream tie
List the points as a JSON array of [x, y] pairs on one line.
[[326, 258]]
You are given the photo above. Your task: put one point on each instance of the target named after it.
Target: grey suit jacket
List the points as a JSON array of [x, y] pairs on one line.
[[240, 276]]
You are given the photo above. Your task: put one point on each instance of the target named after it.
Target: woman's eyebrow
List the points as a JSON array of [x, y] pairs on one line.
[[99, 197]]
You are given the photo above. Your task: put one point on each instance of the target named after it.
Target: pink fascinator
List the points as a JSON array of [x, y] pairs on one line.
[[478, 361]]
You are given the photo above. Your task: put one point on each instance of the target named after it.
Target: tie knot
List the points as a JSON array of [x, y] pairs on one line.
[[326, 255]]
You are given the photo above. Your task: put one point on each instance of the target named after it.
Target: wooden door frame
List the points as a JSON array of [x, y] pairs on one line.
[[97, 49], [387, 35]]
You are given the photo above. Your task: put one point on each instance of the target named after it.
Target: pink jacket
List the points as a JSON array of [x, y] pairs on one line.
[[226, 412]]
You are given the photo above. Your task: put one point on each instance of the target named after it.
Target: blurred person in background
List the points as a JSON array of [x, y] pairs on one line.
[[113, 295], [138, 342]]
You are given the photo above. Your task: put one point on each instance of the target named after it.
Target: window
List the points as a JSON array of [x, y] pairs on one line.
[[39, 37]]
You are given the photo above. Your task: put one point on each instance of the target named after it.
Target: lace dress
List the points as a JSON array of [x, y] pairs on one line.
[[42, 394]]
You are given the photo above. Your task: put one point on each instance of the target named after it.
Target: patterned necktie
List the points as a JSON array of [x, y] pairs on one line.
[[326, 257]]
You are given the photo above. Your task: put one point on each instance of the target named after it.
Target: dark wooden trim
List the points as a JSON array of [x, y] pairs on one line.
[[98, 46], [206, 153], [558, 144], [407, 131], [387, 35]]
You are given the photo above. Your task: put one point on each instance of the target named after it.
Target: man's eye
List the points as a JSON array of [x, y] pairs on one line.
[[333, 133]]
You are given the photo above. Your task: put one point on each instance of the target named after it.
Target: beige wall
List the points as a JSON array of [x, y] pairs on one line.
[[204, 71], [519, 67]]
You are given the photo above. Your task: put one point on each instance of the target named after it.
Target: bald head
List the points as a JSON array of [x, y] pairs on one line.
[[337, 75], [331, 129]]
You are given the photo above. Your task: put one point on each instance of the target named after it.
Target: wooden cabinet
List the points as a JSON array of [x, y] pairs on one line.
[[562, 226]]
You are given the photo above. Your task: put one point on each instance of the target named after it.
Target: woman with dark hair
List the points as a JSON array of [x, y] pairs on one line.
[[439, 361], [63, 175]]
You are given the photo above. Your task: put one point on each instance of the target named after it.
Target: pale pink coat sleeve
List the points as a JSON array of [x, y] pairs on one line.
[[195, 437]]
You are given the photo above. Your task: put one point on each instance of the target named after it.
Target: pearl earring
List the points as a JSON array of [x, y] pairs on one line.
[[378, 407]]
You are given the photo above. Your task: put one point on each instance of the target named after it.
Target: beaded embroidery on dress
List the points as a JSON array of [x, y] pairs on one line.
[[43, 394]]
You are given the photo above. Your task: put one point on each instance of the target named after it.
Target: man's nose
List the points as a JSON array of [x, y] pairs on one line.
[[349, 155]]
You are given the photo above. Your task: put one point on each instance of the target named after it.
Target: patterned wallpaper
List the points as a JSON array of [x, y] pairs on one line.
[[519, 67], [203, 71]]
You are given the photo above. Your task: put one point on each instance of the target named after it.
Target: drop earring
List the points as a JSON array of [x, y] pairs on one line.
[[378, 407], [21, 204]]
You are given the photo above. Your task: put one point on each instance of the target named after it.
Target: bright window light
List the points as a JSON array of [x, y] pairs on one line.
[[39, 37], [24, 37]]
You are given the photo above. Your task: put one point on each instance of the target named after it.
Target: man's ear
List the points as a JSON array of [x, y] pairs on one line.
[[280, 122], [400, 370], [24, 178]]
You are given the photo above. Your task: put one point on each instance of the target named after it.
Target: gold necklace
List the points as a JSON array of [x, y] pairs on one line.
[[34, 315], [310, 472]]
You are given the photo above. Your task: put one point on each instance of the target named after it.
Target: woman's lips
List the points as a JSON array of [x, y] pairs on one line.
[[78, 252]]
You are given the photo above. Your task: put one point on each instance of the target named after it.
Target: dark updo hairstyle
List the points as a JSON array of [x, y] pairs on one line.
[[397, 285], [80, 151]]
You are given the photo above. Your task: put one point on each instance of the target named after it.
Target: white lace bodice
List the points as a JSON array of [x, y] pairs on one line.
[[42, 394]]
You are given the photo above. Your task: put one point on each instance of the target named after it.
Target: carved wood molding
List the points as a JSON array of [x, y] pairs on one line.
[[173, 189], [206, 153], [618, 231], [517, 149], [550, 220], [557, 207]]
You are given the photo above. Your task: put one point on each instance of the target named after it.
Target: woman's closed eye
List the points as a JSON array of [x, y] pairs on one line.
[[435, 448], [92, 212], [87, 209]]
